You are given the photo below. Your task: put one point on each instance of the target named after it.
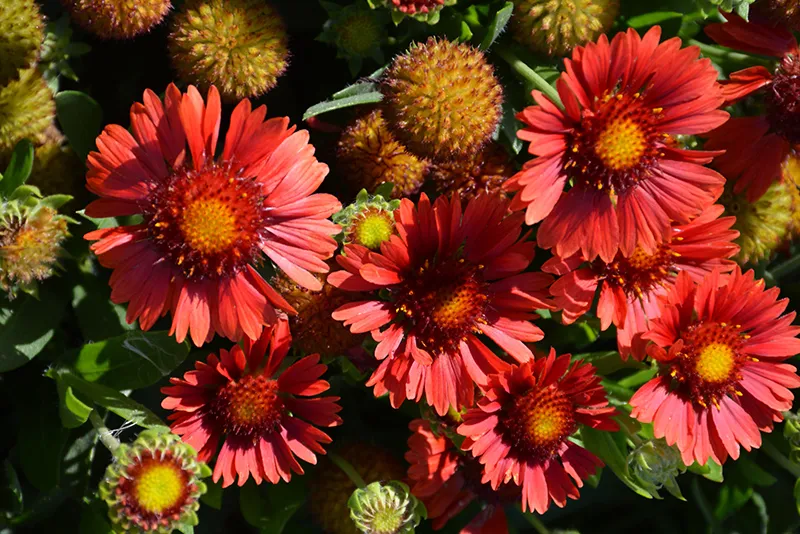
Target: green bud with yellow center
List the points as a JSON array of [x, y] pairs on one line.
[[442, 99], [27, 110], [656, 465], [240, 46], [21, 37], [153, 485], [385, 508], [31, 234], [423, 10], [369, 155], [369, 221], [555, 27], [356, 31], [117, 19]]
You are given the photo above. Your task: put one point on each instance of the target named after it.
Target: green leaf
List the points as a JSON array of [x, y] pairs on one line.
[[712, 471], [651, 19], [73, 411], [133, 360], [269, 507], [81, 120], [213, 496], [613, 454], [108, 398], [41, 439], [356, 89], [11, 502], [498, 24], [19, 168], [356, 100], [97, 316], [797, 495], [753, 473], [27, 324]]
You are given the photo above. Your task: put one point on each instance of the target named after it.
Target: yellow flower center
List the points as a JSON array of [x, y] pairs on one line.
[[159, 486], [454, 306], [715, 362], [540, 421], [208, 225], [387, 520], [373, 228], [621, 144]]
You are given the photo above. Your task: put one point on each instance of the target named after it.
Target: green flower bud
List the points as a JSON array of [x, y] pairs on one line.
[[386, 508], [656, 465], [369, 221]]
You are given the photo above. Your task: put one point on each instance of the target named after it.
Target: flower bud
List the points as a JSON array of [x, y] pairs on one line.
[[385, 508], [656, 465]]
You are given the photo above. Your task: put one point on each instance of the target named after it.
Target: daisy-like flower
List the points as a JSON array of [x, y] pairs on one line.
[[614, 141], [445, 277], [264, 417], [208, 223], [721, 344], [447, 481], [756, 147], [520, 429], [630, 286]]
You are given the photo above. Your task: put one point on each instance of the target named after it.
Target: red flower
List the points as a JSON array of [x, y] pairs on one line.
[[448, 276], [520, 430], [447, 481], [756, 147], [721, 344], [624, 102], [206, 223], [241, 398], [630, 287]]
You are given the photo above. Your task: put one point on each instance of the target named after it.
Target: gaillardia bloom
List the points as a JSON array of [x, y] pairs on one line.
[[720, 344], [264, 416], [445, 277], [153, 485], [447, 481], [630, 286], [614, 141], [520, 429], [239, 46], [206, 223], [756, 147]]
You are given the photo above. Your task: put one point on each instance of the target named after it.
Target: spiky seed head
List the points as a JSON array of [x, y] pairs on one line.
[[442, 99], [240, 46], [31, 234], [369, 155], [27, 110], [21, 37], [117, 19], [483, 172], [386, 508], [555, 27]]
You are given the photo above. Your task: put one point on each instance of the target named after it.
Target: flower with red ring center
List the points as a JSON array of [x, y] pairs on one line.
[[520, 429], [445, 277], [447, 481], [623, 103], [721, 344], [153, 488], [756, 147], [264, 416], [207, 224], [630, 287]]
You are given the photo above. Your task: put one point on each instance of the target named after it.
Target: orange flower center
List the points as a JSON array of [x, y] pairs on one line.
[[442, 303], [248, 407], [614, 147], [539, 422], [783, 99], [707, 367], [209, 223], [154, 490], [640, 272]]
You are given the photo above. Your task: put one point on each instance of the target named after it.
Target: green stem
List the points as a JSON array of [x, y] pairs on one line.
[[348, 469], [529, 74], [786, 268], [721, 54], [705, 508], [536, 523], [777, 456], [103, 432]]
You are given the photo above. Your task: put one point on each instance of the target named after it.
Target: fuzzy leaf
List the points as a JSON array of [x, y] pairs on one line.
[[331, 105], [498, 25], [19, 168]]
